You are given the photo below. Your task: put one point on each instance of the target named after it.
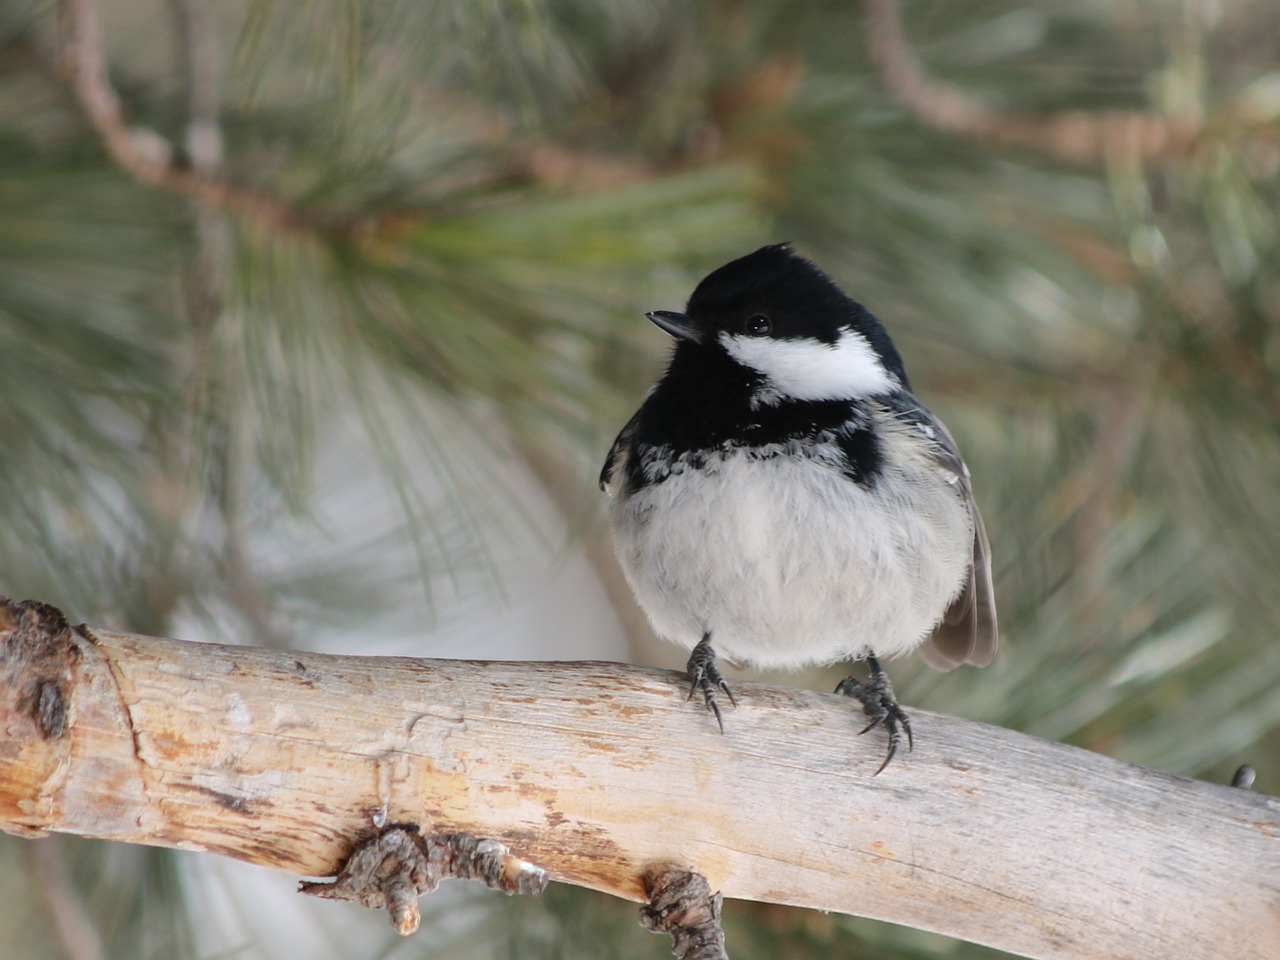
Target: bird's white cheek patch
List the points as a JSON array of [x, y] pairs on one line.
[[813, 370]]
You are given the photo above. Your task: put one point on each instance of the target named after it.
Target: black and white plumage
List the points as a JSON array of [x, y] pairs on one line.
[[781, 496]]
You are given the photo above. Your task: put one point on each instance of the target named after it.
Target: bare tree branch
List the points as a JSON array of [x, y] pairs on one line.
[[1076, 136], [603, 774], [143, 153]]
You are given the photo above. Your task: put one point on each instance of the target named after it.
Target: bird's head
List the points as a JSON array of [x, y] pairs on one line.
[[777, 314]]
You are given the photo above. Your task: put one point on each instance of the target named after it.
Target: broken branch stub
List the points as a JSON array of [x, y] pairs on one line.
[[393, 869]]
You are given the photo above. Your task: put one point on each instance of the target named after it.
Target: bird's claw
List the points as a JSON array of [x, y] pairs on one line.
[[880, 706], [704, 675]]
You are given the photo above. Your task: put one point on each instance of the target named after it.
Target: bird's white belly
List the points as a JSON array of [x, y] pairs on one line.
[[786, 562]]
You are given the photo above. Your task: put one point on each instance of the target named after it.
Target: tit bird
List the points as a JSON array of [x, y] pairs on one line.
[[781, 496]]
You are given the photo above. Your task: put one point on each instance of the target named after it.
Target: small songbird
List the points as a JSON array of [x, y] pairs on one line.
[[782, 495]]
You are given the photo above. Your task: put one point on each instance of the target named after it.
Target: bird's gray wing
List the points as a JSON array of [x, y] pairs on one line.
[[968, 632]]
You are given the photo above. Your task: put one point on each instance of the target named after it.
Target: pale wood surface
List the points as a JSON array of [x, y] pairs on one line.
[[595, 771]]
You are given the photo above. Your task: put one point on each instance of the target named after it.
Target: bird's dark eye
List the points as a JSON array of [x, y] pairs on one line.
[[758, 325]]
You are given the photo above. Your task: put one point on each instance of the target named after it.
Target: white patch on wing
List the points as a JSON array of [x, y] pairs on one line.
[[812, 370]]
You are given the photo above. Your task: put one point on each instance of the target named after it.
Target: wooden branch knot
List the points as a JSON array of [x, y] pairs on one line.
[[681, 904], [38, 659], [392, 870]]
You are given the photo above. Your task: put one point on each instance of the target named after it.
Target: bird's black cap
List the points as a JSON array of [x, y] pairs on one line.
[[799, 297]]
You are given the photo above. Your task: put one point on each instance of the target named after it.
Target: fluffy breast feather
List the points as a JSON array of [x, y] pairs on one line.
[[786, 560]]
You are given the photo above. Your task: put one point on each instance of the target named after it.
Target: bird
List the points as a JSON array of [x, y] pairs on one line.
[[782, 497]]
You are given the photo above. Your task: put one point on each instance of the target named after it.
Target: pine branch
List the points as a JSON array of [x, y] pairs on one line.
[[602, 775], [143, 153], [150, 159], [1076, 136]]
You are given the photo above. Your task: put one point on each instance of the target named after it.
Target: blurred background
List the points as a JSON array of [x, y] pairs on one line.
[[316, 321]]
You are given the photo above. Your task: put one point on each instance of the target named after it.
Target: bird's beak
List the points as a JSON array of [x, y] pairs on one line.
[[677, 324]]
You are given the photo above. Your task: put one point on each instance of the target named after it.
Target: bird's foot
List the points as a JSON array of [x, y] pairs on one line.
[[880, 706], [704, 675]]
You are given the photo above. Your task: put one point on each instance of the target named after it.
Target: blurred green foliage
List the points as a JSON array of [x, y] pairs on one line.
[[466, 207]]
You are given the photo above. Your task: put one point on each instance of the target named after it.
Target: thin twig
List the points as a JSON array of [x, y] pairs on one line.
[[204, 284], [144, 153], [1076, 136], [199, 56], [149, 157]]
